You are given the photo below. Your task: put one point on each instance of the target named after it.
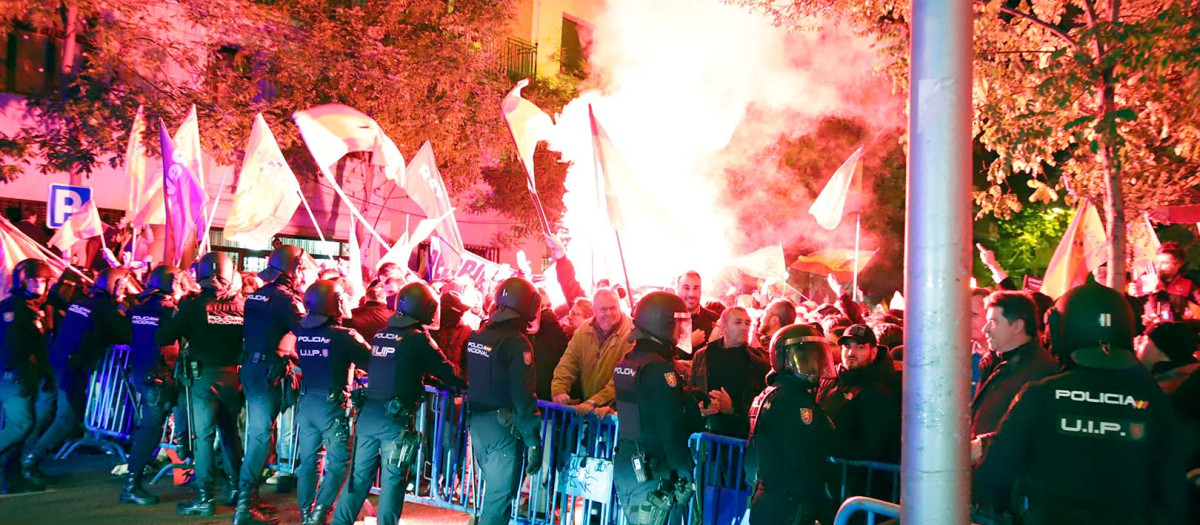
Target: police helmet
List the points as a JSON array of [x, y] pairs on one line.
[[30, 269], [283, 260], [215, 271], [322, 301], [801, 351], [110, 281], [1089, 321], [656, 315], [416, 303], [163, 278], [516, 298]]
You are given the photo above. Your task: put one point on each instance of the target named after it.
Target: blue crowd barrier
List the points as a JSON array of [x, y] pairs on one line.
[[721, 489], [111, 407], [575, 482]]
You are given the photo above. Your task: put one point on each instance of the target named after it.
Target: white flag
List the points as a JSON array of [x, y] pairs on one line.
[[831, 203], [267, 193]]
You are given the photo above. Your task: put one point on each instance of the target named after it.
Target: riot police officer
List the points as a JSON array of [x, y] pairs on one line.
[[211, 323], [271, 312], [1096, 443], [653, 465], [504, 419], [787, 456], [151, 376], [23, 353], [328, 352], [90, 326], [401, 356]]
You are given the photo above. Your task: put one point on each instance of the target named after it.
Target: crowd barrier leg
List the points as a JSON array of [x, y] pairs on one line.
[[109, 411]]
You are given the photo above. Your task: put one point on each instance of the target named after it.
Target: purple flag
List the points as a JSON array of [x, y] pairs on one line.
[[183, 197]]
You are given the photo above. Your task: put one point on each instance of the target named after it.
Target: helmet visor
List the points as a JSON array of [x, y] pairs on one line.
[[683, 332]]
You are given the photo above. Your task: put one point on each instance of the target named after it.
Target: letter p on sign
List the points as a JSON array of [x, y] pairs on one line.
[[63, 201]]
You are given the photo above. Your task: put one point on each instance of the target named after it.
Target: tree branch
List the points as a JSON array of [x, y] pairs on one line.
[[1037, 21]]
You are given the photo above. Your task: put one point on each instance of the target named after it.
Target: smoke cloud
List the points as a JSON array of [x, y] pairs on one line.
[[696, 95]]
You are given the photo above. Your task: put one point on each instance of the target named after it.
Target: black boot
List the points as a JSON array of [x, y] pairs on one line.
[[31, 472], [318, 516], [230, 495], [258, 504], [247, 514], [201, 505], [135, 494]]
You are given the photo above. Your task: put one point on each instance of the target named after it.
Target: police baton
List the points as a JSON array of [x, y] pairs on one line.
[[353, 406], [183, 372]]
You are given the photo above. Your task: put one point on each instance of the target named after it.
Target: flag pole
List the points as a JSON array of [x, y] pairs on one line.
[[600, 172], [311, 217], [537, 202], [337, 188], [857, 235], [212, 214]]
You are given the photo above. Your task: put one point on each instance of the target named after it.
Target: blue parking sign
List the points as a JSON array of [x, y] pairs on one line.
[[63, 201]]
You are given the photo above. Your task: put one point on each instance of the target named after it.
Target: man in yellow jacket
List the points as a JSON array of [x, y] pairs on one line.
[[587, 365]]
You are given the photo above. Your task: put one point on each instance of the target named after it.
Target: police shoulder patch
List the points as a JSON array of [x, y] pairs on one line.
[[527, 356], [670, 377], [8, 317], [806, 415]]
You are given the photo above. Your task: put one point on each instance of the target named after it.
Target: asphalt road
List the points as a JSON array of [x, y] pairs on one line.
[[86, 493]]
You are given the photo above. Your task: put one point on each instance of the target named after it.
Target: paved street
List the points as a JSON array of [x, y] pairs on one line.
[[87, 494]]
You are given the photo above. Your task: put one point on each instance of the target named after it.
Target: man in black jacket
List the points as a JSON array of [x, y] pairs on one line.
[[863, 400], [1016, 357], [732, 374], [1095, 444]]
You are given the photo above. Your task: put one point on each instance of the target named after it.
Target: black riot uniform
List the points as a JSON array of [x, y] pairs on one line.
[[1096, 443], [787, 456], [504, 418], [386, 439], [271, 312], [327, 352], [89, 328], [151, 377], [23, 358], [653, 465], [211, 325]]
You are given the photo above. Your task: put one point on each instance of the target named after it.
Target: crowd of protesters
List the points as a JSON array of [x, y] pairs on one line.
[[726, 361]]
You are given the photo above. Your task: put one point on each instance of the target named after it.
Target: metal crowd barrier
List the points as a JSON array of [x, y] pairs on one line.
[[443, 474], [287, 442], [575, 482], [722, 493], [109, 415], [871, 506]]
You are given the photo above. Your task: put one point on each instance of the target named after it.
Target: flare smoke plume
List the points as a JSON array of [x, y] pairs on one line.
[[680, 80]]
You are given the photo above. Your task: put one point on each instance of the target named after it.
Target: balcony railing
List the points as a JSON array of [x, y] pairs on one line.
[[514, 58]]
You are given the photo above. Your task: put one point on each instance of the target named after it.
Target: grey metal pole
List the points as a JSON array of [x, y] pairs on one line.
[[935, 460]]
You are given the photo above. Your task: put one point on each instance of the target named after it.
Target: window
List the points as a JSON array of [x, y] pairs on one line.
[[576, 39]]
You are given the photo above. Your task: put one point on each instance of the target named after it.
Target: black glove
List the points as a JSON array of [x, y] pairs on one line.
[[533, 459]]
